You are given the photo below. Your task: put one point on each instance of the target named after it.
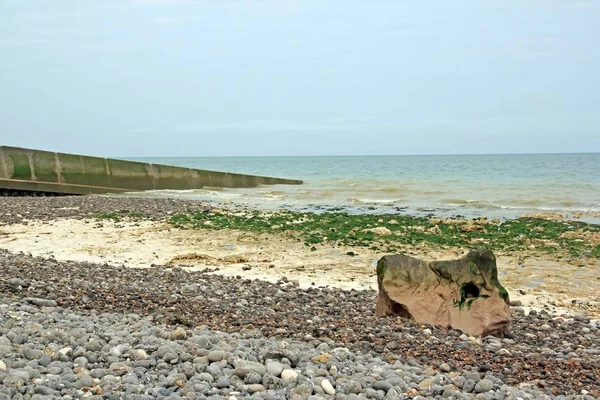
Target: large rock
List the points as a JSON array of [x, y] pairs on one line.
[[464, 294]]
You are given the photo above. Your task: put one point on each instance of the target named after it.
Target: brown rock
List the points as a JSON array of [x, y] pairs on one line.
[[464, 294], [322, 358], [472, 228]]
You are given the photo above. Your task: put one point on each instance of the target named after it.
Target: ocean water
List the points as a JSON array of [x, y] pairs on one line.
[[505, 186]]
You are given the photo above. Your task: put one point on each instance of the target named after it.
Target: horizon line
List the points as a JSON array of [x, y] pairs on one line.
[[365, 155]]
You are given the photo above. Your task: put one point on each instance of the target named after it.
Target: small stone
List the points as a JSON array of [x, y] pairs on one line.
[[179, 334], [2, 366], [327, 387], [244, 367], [274, 368], [382, 385], [216, 355], [484, 385], [43, 390], [222, 382], [118, 369], [289, 375], [40, 302], [45, 360], [503, 352], [322, 358], [97, 373], [255, 388], [66, 351], [140, 354], [425, 384], [445, 367]]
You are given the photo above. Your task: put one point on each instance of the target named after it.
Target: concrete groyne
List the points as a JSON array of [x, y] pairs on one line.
[[44, 171]]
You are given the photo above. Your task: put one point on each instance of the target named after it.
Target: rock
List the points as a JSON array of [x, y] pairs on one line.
[[327, 387], [289, 375], [43, 390], [118, 369], [140, 354], [216, 355], [179, 334], [484, 385], [382, 385], [445, 367], [40, 302], [464, 294], [322, 358], [222, 382], [255, 388], [2, 366], [244, 367], [380, 231], [274, 368]]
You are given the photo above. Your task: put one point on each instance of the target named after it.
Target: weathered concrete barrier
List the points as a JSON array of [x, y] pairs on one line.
[[45, 171]]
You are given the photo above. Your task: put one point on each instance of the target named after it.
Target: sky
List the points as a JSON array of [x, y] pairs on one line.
[[193, 78]]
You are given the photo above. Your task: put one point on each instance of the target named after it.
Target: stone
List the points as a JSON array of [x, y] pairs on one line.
[[140, 354], [380, 231], [484, 385], [255, 388], [382, 385], [118, 368], [222, 382], [216, 355], [464, 294], [43, 390], [445, 367], [322, 358], [289, 375], [179, 334], [244, 367], [327, 387], [40, 302], [274, 368]]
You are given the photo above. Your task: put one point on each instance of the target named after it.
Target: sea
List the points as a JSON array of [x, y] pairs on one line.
[[470, 186]]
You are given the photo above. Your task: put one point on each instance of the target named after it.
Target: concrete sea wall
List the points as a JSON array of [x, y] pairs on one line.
[[45, 171]]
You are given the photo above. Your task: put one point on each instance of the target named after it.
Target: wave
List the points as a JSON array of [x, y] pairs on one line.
[[537, 205], [372, 201]]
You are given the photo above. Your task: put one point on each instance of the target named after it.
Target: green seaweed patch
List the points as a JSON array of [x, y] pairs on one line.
[[343, 229], [120, 215]]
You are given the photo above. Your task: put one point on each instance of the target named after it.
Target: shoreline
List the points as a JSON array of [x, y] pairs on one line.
[[101, 236]]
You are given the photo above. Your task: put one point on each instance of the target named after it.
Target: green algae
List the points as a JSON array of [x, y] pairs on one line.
[[343, 229]]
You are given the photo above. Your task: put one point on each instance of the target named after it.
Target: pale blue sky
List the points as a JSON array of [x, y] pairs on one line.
[[287, 77]]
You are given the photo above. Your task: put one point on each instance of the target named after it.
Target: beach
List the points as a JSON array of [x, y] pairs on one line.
[[177, 264]]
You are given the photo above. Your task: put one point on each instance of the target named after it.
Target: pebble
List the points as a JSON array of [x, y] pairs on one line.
[[484, 385], [327, 387], [289, 375], [132, 353]]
